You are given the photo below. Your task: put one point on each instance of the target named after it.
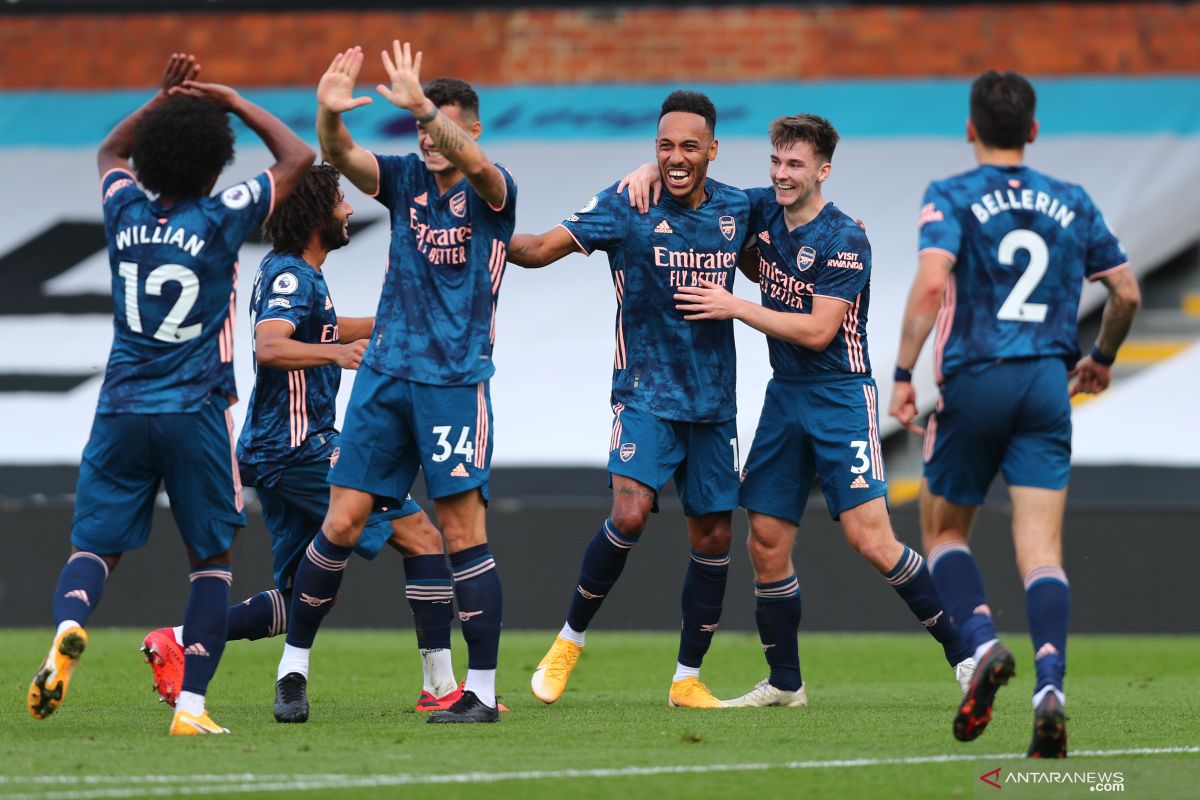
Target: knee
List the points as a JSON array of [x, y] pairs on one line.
[[767, 555], [716, 539], [878, 546], [342, 527], [631, 522]]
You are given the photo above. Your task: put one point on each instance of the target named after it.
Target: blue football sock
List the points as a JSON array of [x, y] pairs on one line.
[[911, 580], [204, 626], [702, 600], [258, 617], [80, 586], [429, 588], [777, 615], [314, 588], [603, 561], [480, 604], [960, 586], [1048, 604]]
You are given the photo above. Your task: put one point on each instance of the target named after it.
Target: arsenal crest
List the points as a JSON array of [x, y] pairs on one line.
[[628, 450], [806, 257], [728, 227], [458, 204]]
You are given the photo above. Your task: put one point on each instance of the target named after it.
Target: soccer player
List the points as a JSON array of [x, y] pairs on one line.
[[289, 439], [673, 392], [421, 397], [820, 417], [1004, 252], [163, 415]]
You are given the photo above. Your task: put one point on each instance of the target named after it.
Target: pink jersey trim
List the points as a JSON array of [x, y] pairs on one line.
[[378, 177], [237, 478], [844, 300], [271, 209], [104, 177], [504, 199], [924, 250], [1097, 276], [582, 249], [275, 319]]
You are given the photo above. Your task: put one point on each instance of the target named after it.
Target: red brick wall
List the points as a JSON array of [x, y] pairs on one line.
[[628, 45]]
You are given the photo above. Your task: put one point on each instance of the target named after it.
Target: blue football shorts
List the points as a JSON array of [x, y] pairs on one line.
[[396, 427], [294, 508], [127, 458], [1013, 417], [826, 428], [702, 457]]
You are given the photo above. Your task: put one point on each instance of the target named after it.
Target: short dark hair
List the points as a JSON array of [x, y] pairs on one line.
[[308, 208], [181, 145], [810, 129], [453, 92], [1002, 106], [692, 103]]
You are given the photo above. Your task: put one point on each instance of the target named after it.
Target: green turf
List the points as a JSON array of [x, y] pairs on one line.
[[872, 697]]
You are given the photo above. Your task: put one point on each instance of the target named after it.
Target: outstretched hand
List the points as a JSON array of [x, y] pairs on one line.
[[404, 71], [706, 301], [335, 92], [224, 96], [180, 67]]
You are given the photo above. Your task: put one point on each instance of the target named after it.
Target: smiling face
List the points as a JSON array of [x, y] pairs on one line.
[[336, 232], [796, 174], [685, 145], [435, 162]]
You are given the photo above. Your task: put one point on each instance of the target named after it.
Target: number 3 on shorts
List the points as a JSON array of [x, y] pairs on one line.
[[464, 448], [860, 452]]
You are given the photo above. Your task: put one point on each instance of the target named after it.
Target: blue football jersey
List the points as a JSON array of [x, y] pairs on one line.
[[1022, 244], [828, 257], [174, 283], [292, 413], [673, 368], [436, 321]]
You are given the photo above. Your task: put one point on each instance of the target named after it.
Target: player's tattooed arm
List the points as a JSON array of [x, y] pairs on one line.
[[456, 144], [1124, 299], [335, 96], [532, 251], [115, 149]]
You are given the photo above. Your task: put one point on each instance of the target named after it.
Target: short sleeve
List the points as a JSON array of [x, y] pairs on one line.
[[845, 267], [395, 173], [602, 223], [245, 206], [1105, 254], [508, 206], [938, 225], [289, 296], [118, 188]]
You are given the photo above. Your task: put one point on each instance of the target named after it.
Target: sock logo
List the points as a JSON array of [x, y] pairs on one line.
[[586, 595], [80, 595], [465, 616], [196, 649], [929, 623], [315, 602], [710, 628], [767, 647], [1046, 650]]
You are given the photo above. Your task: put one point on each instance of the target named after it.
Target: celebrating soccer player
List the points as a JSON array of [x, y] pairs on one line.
[[163, 415], [1004, 252], [673, 392], [421, 397], [820, 418], [289, 440]]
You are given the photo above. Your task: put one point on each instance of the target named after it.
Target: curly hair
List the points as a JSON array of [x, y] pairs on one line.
[[786, 132], [692, 103], [308, 208], [181, 145]]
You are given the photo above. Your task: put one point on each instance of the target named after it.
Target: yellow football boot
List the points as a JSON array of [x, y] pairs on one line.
[[550, 678], [185, 724], [49, 685], [691, 693]]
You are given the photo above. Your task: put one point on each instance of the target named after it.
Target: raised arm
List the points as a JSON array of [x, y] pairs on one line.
[[814, 330], [115, 149], [292, 156], [335, 96], [351, 329], [275, 348], [457, 145], [537, 250], [920, 314], [1094, 371]]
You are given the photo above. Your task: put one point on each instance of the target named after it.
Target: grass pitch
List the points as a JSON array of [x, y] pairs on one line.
[[878, 724]]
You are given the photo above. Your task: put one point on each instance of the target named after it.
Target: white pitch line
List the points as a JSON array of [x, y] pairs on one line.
[[276, 783]]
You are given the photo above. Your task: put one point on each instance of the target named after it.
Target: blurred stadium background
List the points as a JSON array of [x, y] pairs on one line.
[[569, 98]]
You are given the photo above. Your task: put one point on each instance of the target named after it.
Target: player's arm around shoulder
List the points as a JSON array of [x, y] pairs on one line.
[[600, 223]]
